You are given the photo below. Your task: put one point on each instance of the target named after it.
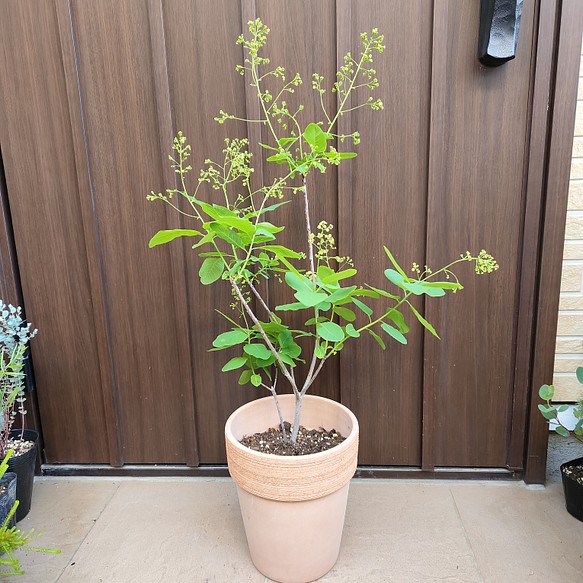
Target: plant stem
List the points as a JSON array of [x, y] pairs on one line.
[[253, 317]]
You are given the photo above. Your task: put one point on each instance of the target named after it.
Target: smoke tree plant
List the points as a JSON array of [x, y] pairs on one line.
[[239, 244]]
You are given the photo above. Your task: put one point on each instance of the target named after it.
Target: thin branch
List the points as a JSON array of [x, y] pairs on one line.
[[249, 311]]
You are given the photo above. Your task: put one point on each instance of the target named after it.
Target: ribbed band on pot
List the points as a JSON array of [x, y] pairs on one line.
[[293, 478]]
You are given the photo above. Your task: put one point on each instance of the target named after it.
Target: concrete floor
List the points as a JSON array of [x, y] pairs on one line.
[[190, 530]]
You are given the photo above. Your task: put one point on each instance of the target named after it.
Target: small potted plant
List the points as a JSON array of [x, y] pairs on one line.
[[15, 335], [11, 538], [292, 455], [571, 471]]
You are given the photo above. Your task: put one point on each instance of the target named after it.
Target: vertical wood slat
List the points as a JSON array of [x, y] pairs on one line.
[[387, 191], [436, 146], [536, 153], [555, 208], [476, 168], [202, 55], [108, 381], [177, 254], [345, 190], [9, 284], [37, 151]]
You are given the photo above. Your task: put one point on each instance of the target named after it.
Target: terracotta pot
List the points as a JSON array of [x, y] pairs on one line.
[[293, 507]]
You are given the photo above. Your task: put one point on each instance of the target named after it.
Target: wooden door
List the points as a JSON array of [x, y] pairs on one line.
[[124, 376]]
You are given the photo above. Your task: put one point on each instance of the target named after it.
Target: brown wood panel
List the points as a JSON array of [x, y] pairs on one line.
[[386, 203], [38, 153], [542, 74], [303, 45], [202, 55], [118, 90], [479, 130], [557, 185]]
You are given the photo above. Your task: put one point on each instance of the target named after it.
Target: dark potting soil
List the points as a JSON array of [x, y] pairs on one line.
[[308, 441], [575, 473]]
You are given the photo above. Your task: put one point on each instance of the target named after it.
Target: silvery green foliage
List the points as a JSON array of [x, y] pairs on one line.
[[15, 333]]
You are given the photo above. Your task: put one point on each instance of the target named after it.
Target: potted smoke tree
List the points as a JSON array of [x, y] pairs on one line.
[[292, 455]]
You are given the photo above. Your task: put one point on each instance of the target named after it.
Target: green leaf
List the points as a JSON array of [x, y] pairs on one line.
[[546, 392], [394, 333], [396, 277], [398, 319], [579, 373], [206, 239], [346, 155], [434, 292], [345, 273], [216, 211], [341, 294], [394, 262], [562, 431], [290, 307], [444, 285], [231, 338], [547, 412], [293, 350], [362, 306], [423, 321], [235, 363], [256, 380], [281, 251], [225, 233], [351, 331], [310, 298], [379, 340], [280, 158], [317, 138], [211, 270], [382, 292], [257, 350], [369, 293], [245, 377], [330, 331], [345, 313], [320, 351], [298, 282], [240, 224], [265, 209], [165, 236]]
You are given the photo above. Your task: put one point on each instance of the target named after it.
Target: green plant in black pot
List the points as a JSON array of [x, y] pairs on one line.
[[572, 471], [11, 538], [15, 334]]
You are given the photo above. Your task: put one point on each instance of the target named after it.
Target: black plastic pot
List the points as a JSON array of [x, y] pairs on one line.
[[8, 497], [573, 490], [23, 467]]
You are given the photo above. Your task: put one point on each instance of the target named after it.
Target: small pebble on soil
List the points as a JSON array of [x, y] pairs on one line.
[[20, 446], [308, 441], [575, 473]]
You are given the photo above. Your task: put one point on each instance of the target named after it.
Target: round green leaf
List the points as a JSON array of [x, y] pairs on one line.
[[211, 270], [230, 338], [235, 363], [330, 331], [257, 350]]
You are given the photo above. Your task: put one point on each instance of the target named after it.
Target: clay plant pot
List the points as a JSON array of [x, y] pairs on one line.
[[573, 490], [293, 507]]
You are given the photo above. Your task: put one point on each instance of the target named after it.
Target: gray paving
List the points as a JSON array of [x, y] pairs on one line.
[[190, 530]]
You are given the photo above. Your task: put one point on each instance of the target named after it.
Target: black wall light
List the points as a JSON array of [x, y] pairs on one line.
[[499, 23]]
